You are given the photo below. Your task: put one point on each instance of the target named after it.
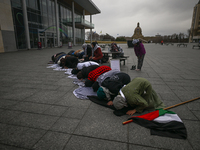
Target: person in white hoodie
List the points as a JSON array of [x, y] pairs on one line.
[[80, 66]]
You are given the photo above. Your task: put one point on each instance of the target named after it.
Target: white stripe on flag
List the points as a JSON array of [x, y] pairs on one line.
[[167, 118]]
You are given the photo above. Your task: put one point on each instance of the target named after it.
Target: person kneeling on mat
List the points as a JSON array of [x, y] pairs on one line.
[[139, 95]]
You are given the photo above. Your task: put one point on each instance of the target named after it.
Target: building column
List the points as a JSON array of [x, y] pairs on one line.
[[53, 39], [91, 29], [83, 32], [73, 25], [57, 23], [26, 24]]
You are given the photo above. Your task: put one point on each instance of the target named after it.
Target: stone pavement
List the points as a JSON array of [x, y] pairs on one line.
[[39, 111]]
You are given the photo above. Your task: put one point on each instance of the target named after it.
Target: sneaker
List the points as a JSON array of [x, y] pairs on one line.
[[137, 69]]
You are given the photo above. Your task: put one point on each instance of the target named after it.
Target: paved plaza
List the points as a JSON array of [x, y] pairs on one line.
[[39, 111]]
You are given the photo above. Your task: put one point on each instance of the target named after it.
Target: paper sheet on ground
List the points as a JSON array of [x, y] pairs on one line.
[[83, 92]]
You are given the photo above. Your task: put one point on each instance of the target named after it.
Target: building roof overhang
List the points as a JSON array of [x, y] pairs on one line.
[[80, 5], [89, 6]]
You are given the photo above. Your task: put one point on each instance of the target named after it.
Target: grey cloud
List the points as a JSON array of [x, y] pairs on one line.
[[155, 16]]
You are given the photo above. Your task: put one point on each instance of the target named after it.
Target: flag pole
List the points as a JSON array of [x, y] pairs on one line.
[[181, 103], [128, 121]]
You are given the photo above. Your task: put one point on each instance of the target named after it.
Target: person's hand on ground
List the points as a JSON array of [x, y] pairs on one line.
[[130, 112], [110, 103]]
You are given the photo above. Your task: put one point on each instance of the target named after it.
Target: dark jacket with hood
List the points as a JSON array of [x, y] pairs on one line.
[[71, 62], [86, 70], [116, 82]]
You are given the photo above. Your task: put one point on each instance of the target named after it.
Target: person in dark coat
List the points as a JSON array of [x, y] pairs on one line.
[[110, 87], [69, 62], [83, 74], [103, 77], [57, 57], [87, 51]]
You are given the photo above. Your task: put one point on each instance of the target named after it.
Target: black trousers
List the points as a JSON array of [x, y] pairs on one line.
[[140, 62]]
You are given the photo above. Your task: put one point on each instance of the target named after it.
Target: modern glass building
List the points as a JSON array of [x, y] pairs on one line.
[[50, 22]]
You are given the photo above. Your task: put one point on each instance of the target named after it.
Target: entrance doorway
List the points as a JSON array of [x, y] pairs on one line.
[[50, 42], [47, 38]]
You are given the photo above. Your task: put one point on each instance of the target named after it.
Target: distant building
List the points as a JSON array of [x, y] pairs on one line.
[[24, 23], [195, 26], [158, 35], [137, 32]]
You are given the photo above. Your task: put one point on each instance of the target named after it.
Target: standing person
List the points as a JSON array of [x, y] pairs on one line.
[[139, 52], [96, 52]]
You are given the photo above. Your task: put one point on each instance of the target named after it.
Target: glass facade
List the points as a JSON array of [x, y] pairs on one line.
[[42, 23]]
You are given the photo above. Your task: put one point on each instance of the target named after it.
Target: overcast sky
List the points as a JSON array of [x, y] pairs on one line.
[[164, 17]]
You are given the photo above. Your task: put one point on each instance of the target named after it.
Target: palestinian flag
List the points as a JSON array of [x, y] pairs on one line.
[[162, 123]]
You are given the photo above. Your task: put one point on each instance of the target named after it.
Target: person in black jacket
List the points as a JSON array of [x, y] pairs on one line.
[[83, 74], [110, 87], [56, 57], [87, 51], [69, 62]]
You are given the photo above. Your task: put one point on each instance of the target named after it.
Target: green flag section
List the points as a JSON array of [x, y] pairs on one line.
[[162, 123]]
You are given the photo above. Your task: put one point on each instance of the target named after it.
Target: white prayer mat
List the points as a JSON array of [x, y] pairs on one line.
[[60, 69], [73, 76], [79, 83], [83, 92], [69, 71], [53, 66]]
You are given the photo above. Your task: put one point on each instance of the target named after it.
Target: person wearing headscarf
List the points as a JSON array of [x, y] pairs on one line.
[[138, 94], [96, 52], [139, 52], [87, 51], [110, 87]]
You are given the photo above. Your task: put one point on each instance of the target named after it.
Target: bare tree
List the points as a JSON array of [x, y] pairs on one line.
[[107, 37], [95, 36], [181, 37]]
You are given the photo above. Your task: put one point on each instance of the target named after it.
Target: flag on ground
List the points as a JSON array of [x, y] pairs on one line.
[[162, 123]]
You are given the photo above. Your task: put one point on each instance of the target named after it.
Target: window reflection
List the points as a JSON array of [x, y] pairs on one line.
[[41, 15]]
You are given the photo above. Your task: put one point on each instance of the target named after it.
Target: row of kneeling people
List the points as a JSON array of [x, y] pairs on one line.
[[71, 59], [112, 85], [118, 89], [87, 53]]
